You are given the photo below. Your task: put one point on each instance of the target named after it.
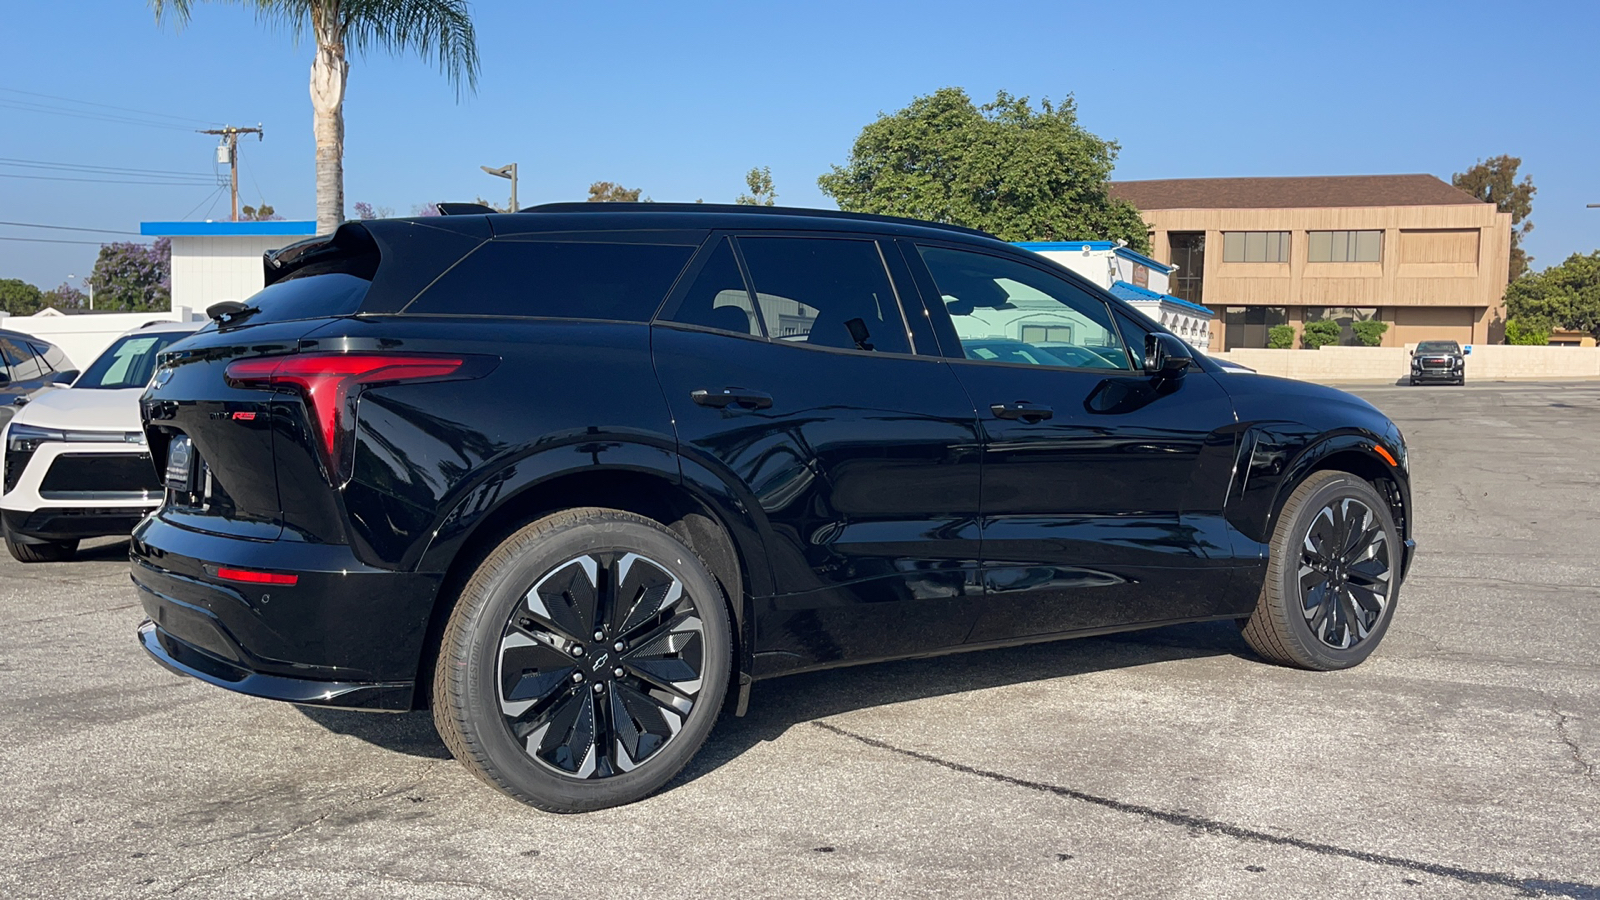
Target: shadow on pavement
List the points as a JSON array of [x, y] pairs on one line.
[[779, 704]]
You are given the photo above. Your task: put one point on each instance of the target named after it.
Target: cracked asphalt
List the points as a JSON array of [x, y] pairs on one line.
[[1461, 760]]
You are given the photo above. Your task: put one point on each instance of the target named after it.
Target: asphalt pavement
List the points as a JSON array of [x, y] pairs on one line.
[[1463, 759]]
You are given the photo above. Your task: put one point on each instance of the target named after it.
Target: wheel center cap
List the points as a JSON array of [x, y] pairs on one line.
[[597, 663]]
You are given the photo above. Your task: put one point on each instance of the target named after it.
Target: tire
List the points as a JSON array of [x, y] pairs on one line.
[[1341, 628], [1413, 381], [584, 726], [39, 550]]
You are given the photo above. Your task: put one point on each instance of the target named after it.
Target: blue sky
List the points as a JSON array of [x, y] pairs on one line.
[[681, 99]]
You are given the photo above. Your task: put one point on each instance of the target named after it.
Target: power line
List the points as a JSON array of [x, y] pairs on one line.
[[161, 183], [49, 241], [24, 106], [105, 170], [123, 109], [209, 196], [65, 228]]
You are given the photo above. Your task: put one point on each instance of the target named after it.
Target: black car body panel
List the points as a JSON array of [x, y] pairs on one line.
[[855, 496]]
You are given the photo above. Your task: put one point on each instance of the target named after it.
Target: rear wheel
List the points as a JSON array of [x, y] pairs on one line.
[[1333, 576], [585, 662], [33, 550]]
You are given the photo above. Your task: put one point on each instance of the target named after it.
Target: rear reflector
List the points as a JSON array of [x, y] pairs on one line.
[[249, 576]]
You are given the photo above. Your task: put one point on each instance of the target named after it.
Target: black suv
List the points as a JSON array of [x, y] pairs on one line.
[[577, 477], [1438, 361]]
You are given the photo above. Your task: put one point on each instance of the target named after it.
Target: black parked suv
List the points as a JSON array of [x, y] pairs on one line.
[[1438, 361], [576, 477]]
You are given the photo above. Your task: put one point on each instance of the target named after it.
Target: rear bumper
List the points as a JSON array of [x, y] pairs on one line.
[[345, 634], [196, 663]]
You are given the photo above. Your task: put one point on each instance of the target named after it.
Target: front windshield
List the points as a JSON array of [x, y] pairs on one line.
[[1438, 347], [129, 362]]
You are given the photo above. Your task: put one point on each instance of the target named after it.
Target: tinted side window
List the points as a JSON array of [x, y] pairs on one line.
[[25, 365], [622, 282], [303, 296], [825, 292], [718, 298], [43, 354], [1007, 311], [1133, 334]]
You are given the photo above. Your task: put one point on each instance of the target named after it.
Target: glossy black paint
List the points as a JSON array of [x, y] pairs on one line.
[[854, 505]]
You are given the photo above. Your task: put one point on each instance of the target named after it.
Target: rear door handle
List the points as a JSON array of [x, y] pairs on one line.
[[1021, 409], [732, 396]]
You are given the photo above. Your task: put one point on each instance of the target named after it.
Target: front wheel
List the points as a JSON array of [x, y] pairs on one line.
[[35, 550], [1333, 577], [585, 662]]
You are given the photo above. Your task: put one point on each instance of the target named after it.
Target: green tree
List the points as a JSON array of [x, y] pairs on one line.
[[19, 298], [611, 192], [134, 277], [1004, 167], [1370, 332], [64, 298], [1316, 335], [759, 181], [439, 30], [1533, 335], [262, 213], [1280, 337], [1494, 181], [1565, 297]]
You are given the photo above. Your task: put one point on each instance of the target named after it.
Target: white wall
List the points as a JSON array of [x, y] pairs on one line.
[[1487, 362], [82, 337], [210, 268]]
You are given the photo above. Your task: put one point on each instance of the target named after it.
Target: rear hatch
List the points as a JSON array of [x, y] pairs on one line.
[[239, 437]]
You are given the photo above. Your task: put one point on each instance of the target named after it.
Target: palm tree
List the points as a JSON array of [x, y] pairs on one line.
[[434, 29]]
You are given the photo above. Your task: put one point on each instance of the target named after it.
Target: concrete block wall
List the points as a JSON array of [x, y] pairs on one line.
[[1489, 362]]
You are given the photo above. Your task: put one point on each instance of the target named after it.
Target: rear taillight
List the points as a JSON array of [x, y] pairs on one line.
[[252, 576], [332, 382]]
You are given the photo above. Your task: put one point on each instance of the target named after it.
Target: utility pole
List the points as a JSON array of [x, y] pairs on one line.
[[230, 137], [508, 171]]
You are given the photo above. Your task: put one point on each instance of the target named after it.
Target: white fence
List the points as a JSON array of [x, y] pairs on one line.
[[82, 337], [1489, 362]]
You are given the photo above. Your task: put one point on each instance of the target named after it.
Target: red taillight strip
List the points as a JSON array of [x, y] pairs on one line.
[[250, 576]]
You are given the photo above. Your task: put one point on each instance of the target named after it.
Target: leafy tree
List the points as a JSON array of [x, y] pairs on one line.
[[134, 277], [262, 213], [365, 211], [1495, 181], [439, 30], [1316, 335], [64, 298], [1004, 167], [611, 192], [759, 181], [1527, 335], [1565, 297], [1280, 337], [424, 210], [1370, 332], [18, 297], [491, 204]]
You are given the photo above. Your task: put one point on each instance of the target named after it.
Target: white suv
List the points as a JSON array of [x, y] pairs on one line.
[[76, 464]]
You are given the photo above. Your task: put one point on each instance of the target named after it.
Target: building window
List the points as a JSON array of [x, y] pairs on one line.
[[1255, 246], [1247, 326], [1188, 253], [1345, 246], [1346, 316]]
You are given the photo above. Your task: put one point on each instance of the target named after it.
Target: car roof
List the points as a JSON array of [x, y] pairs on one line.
[[24, 336], [163, 325]]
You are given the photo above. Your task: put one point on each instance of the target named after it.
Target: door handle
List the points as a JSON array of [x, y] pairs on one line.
[[1021, 409], [732, 396]]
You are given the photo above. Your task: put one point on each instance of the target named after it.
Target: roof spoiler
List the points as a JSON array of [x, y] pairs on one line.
[[349, 249], [464, 209]]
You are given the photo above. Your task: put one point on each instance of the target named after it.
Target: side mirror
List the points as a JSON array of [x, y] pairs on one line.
[[1165, 356]]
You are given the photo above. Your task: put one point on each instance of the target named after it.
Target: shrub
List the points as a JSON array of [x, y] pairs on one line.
[[1318, 334], [1527, 334], [1280, 337], [1370, 332]]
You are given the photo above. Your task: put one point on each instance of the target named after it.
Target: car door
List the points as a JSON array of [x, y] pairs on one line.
[[25, 372], [1102, 488], [798, 385]]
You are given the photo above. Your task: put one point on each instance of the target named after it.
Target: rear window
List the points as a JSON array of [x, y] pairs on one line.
[[308, 297], [129, 362], [557, 279]]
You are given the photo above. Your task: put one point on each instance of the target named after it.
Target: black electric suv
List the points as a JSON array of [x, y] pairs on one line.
[[574, 478]]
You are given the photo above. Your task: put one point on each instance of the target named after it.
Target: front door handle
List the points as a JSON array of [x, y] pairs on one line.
[[1021, 409], [732, 396]]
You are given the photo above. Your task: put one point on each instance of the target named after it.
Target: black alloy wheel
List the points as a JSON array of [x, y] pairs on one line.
[[1333, 577], [585, 662]]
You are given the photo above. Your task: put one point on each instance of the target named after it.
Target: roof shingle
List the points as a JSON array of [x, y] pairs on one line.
[[1315, 192]]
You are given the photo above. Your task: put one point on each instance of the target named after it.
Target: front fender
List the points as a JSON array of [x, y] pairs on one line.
[[1275, 457]]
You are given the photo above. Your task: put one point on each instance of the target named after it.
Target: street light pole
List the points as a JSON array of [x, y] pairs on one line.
[[88, 282], [508, 171]]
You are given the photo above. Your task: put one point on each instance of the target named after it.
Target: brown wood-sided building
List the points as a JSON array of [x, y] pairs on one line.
[[1412, 251]]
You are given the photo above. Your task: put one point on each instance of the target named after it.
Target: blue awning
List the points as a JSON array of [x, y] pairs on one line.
[[1131, 292]]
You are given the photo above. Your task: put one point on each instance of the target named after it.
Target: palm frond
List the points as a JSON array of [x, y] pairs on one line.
[[437, 30]]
